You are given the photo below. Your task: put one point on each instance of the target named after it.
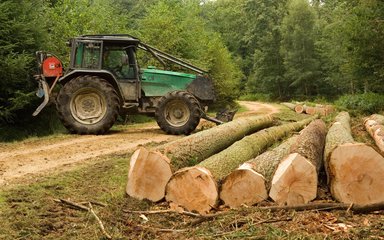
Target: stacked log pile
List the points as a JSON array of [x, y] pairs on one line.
[[323, 110], [375, 127], [206, 165], [250, 183], [157, 165], [354, 170], [195, 188], [289, 171]]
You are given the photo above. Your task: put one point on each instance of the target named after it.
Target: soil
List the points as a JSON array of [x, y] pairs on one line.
[[28, 158]]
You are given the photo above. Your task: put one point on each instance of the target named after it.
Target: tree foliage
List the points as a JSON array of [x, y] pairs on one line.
[[283, 49]]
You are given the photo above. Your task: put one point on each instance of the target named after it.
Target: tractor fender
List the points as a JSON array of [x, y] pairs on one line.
[[202, 88], [101, 73]]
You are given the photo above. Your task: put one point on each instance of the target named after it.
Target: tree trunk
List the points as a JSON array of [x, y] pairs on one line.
[[354, 170], [192, 149], [375, 127], [295, 179], [250, 183], [220, 165], [146, 181], [289, 105]]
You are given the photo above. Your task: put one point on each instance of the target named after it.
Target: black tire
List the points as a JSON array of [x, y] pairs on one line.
[[178, 113], [88, 105]]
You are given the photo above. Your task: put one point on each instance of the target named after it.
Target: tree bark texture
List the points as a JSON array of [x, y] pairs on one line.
[[150, 171], [250, 183], [192, 149], [289, 105], [220, 165]]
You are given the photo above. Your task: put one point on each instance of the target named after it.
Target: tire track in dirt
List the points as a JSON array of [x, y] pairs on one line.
[[31, 158], [28, 158]]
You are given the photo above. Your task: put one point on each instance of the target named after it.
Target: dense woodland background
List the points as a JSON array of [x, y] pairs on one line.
[[267, 50]]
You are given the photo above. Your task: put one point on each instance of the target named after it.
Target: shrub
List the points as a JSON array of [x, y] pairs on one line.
[[367, 103]]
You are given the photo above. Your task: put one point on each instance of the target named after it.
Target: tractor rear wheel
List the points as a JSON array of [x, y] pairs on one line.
[[178, 113], [88, 105]]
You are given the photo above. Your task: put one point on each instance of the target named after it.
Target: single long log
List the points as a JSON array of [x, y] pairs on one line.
[[289, 105], [192, 149], [150, 171], [192, 193], [354, 170], [250, 183], [375, 127], [295, 180]]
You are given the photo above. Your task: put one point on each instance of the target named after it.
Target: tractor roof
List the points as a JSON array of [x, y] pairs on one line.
[[117, 38]]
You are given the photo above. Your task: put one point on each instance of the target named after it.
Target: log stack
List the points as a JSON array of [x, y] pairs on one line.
[[250, 183], [354, 170], [192, 187], [149, 171], [323, 110], [375, 127]]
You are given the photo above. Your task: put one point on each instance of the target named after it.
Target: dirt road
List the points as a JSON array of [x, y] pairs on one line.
[[30, 157]]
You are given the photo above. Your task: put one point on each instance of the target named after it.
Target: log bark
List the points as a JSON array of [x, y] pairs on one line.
[[295, 179], [150, 171], [250, 183], [289, 105], [354, 170], [375, 127], [198, 186], [192, 149]]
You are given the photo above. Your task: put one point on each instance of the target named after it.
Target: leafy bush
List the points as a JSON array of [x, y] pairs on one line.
[[367, 103]]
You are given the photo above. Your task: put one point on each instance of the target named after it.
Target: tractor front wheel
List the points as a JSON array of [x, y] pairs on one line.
[[178, 113], [88, 105]]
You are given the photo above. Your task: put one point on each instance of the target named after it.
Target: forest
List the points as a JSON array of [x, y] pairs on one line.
[[324, 50]]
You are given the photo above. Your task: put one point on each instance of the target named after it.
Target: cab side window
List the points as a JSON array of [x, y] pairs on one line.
[[118, 62]]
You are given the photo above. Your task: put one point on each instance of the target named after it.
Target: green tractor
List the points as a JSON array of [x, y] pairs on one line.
[[104, 80]]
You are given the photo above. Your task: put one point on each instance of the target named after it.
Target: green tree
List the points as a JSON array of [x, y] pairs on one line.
[[70, 18], [21, 34], [298, 48], [264, 38], [180, 30]]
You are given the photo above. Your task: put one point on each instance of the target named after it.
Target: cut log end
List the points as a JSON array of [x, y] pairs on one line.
[[194, 189], [243, 186], [149, 172], [299, 108], [357, 174], [295, 181]]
